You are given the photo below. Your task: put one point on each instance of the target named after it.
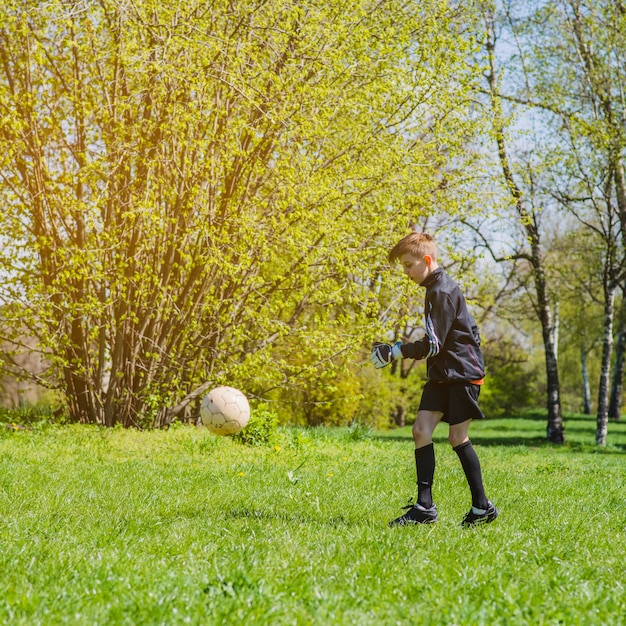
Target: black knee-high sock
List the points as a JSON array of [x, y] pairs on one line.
[[471, 467], [425, 465]]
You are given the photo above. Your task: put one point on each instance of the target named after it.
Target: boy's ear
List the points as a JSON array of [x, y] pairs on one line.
[[428, 259]]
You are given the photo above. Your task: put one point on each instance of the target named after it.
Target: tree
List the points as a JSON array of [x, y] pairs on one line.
[[528, 218], [568, 70], [191, 188], [574, 69]]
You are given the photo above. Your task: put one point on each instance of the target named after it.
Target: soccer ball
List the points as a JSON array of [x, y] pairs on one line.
[[225, 411]]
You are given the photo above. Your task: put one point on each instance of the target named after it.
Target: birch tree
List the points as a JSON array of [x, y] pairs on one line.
[[575, 65]]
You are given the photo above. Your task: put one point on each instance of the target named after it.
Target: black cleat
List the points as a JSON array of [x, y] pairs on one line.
[[489, 515], [416, 514]]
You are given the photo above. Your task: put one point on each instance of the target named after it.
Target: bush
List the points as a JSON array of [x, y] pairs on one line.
[[358, 432], [356, 393], [510, 384], [261, 429], [29, 414]]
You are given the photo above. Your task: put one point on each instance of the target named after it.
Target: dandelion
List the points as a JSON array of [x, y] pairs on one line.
[[330, 475], [241, 474], [277, 448]]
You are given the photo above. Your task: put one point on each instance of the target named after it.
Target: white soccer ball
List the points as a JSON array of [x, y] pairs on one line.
[[225, 411]]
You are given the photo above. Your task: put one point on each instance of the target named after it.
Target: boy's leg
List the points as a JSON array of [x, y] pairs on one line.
[[463, 409], [482, 509], [423, 429], [423, 511], [461, 444]]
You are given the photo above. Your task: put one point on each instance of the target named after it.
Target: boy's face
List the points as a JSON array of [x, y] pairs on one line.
[[416, 268]]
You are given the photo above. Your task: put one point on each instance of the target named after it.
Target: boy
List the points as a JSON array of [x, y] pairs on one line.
[[455, 371]]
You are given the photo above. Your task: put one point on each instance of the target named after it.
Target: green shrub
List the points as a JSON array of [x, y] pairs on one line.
[[29, 414], [510, 383], [358, 431], [261, 429]]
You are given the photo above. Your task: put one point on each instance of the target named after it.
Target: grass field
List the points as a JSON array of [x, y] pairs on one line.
[[183, 527]]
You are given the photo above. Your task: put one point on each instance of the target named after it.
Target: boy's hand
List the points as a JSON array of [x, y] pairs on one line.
[[383, 353]]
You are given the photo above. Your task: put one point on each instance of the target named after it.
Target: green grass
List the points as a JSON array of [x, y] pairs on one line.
[[183, 527]]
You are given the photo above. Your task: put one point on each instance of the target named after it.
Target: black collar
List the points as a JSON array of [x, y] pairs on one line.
[[432, 278]]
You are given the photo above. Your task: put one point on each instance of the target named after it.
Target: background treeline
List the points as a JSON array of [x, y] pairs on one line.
[[197, 193]]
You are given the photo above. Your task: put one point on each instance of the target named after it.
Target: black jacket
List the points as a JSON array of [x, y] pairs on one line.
[[452, 341]]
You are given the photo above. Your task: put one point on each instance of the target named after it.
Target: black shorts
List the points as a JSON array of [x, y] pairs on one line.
[[457, 401]]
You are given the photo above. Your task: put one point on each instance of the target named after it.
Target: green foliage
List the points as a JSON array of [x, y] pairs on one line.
[[117, 526], [580, 313], [510, 384], [261, 429], [358, 431], [52, 412], [333, 398], [197, 195], [357, 393]]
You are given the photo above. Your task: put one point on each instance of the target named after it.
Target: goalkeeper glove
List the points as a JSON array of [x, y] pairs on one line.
[[383, 353]]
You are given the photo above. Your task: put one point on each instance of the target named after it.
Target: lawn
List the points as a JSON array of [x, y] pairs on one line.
[[184, 527]]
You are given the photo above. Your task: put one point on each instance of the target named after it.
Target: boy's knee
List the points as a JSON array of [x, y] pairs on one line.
[[459, 433], [421, 435], [424, 426], [456, 440]]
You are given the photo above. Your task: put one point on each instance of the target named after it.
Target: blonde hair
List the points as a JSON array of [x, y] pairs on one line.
[[415, 244]]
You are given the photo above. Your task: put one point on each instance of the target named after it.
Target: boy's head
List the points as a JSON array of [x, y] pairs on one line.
[[417, 253]]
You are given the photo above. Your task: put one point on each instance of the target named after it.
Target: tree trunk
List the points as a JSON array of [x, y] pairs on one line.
[[585, 375], [603, 387], [555, 431], [399, 416], [615, 404], [555, 334]]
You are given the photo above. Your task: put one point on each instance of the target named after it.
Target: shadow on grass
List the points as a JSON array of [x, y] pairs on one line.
[[540, 415], [505, 440], [528, 430], [514, 440], [541, 442]]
